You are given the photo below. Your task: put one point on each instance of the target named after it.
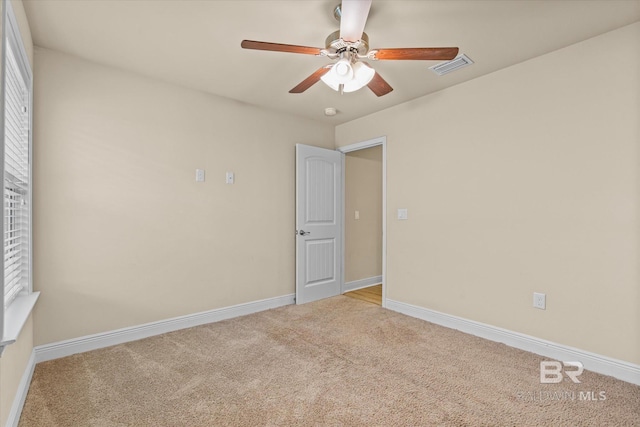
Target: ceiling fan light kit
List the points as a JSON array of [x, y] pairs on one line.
[[342, 71], [350, 47], [347, 75]]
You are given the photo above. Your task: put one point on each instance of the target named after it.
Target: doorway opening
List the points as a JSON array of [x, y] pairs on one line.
[[364, 221], [372, 294]]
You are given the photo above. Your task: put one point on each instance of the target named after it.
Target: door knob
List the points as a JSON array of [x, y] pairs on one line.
[[303, 233]]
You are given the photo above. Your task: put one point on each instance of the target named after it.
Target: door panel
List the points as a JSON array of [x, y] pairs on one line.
[[320, 189], [320, 260], [318, 223]]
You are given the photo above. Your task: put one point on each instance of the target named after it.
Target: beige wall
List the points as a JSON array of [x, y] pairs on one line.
[[363, 193], [16, 356], [523, 180], [13, 365], [123, 233]]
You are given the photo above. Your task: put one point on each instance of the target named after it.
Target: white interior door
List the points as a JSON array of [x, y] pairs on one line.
[[318, 223]]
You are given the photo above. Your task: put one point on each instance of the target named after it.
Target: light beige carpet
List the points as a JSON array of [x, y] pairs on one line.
[[337, 362]]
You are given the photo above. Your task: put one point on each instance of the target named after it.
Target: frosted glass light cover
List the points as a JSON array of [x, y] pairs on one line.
[[361, 75]]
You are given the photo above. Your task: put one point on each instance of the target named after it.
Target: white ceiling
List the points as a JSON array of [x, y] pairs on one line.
[[197, 43]]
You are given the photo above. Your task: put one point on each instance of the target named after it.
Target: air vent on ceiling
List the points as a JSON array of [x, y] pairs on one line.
[[453, 65]]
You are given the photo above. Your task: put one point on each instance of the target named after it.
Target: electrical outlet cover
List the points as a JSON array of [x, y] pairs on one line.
[[539, 300]]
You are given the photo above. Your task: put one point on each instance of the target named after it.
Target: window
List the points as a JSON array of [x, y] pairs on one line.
[[17, 222], [16, 172]]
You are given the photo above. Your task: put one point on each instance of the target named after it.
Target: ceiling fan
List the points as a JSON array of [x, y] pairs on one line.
[[349, 46]]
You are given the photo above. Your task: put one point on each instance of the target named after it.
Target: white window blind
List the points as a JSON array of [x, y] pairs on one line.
[[17, 222]]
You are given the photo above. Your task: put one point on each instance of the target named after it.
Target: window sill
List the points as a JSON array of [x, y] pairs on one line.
[[16, 316]]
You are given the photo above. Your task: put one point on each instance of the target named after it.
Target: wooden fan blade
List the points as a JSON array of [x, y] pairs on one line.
[[417, 53], [278, 47], [311, 80], [353, 19], [379, 86]]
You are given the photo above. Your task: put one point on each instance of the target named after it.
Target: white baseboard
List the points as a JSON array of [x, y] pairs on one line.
[[106, 339], [21, 393], [362, 283], [622, 370]]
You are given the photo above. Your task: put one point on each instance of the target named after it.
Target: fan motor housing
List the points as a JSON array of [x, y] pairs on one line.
[[335, 44]]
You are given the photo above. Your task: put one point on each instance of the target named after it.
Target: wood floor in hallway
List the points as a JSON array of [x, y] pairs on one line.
[[371, 294]]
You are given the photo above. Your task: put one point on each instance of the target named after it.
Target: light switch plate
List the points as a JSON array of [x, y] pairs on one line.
[[229, 178], [357, 215], [199, 175], [403, 214]]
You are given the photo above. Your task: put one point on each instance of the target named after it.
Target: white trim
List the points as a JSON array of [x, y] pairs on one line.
[[364, 144], [619, 369], [106, 339], [16, 315], [382, 140], [21, 393], [362, 283], [343, 195]]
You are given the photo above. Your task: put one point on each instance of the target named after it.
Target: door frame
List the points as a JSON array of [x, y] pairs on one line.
[[381, 140]]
